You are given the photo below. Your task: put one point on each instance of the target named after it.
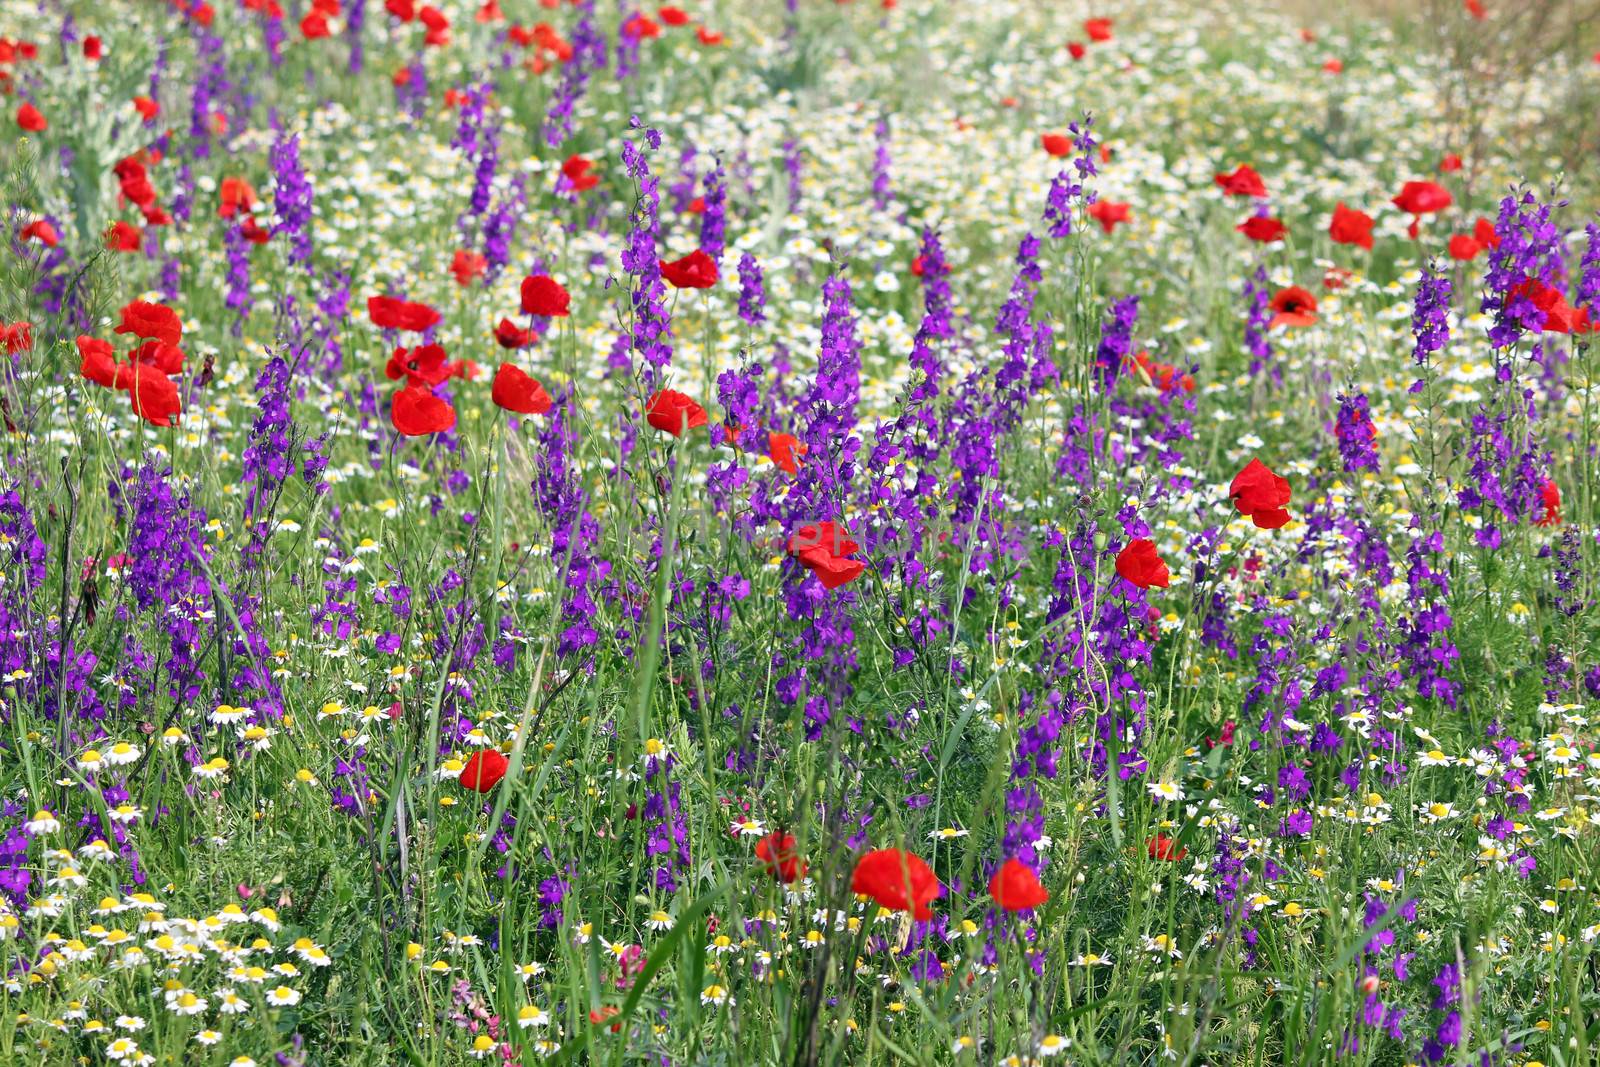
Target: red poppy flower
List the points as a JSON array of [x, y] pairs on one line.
[[786, 451], [490, 12], [437, 24], [1350, 227], [1016, 888], [235, 196], [824, 549], [1422, 198], [509, 335], [1336, 278], [314, 26], [156, 322], [164, 357], [1550, 498], [1162, 847], [153, 395], [640, 27], [390, 313], [99, 363], [1483, 233], [917, 267], [543, 295], [515, 391], [694, 271], [467, 265], [30, 119], [1076, 49], [404, 10], [1098, 30], [576, 171], [708, 37], [93, 47], [16, 337], [1141, 565], [1108, 213], [1261, 494], [416, 411], [1056, 144], [697, 206], [897, 880], [1559, 316], [427, 364], [1333, 66], [673, 16], [1244, 181], [1263, 229], [1162, 375], [1293, 306], [1463, 248], [251, 231], [1450, 164], [148, 109], [41, 230], [484, 770], [776, 851], [1476, 9], [674, 412], [123, 237]]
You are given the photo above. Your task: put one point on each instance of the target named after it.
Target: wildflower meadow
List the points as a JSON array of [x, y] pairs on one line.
[[876, 532]]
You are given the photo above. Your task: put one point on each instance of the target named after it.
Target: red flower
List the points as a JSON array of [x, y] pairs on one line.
[[897, 880], [1483, 233], [122, 237], [251, 231], [389, 313], [1334, 66], [484, 770], [576, 171], [1450, 164], [674, 412], [708, 37], [1162, 375], [824, 548], [1162, 847], [404, 10], [543, 295], [99, 364], [786, 451], [1057, 144], [694, 271], [776, 851], [1016, 888], [1550, 497], [1293, 306], [917, 267], [1476, 9], [509, 335], [640, 27], [416, 411], [1263, 229], [93, 47], [153, 395], [1108, 213], [30, 119], [673, 16], [1559, 316], [1422, 198], [467, 265], [1244, 181], [168, 359], [1141, 565], [426, 364], [1350, 227], [515, 391], [1261, 494], [41, 230], [16, 337], [148, 109], [1336, 278], [314, 26], [156, 322], [235, 196], [1464, 248], [1076, 50], [1097, 29]]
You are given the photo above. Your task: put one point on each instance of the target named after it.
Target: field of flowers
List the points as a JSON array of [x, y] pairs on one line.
[[796, 532]]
